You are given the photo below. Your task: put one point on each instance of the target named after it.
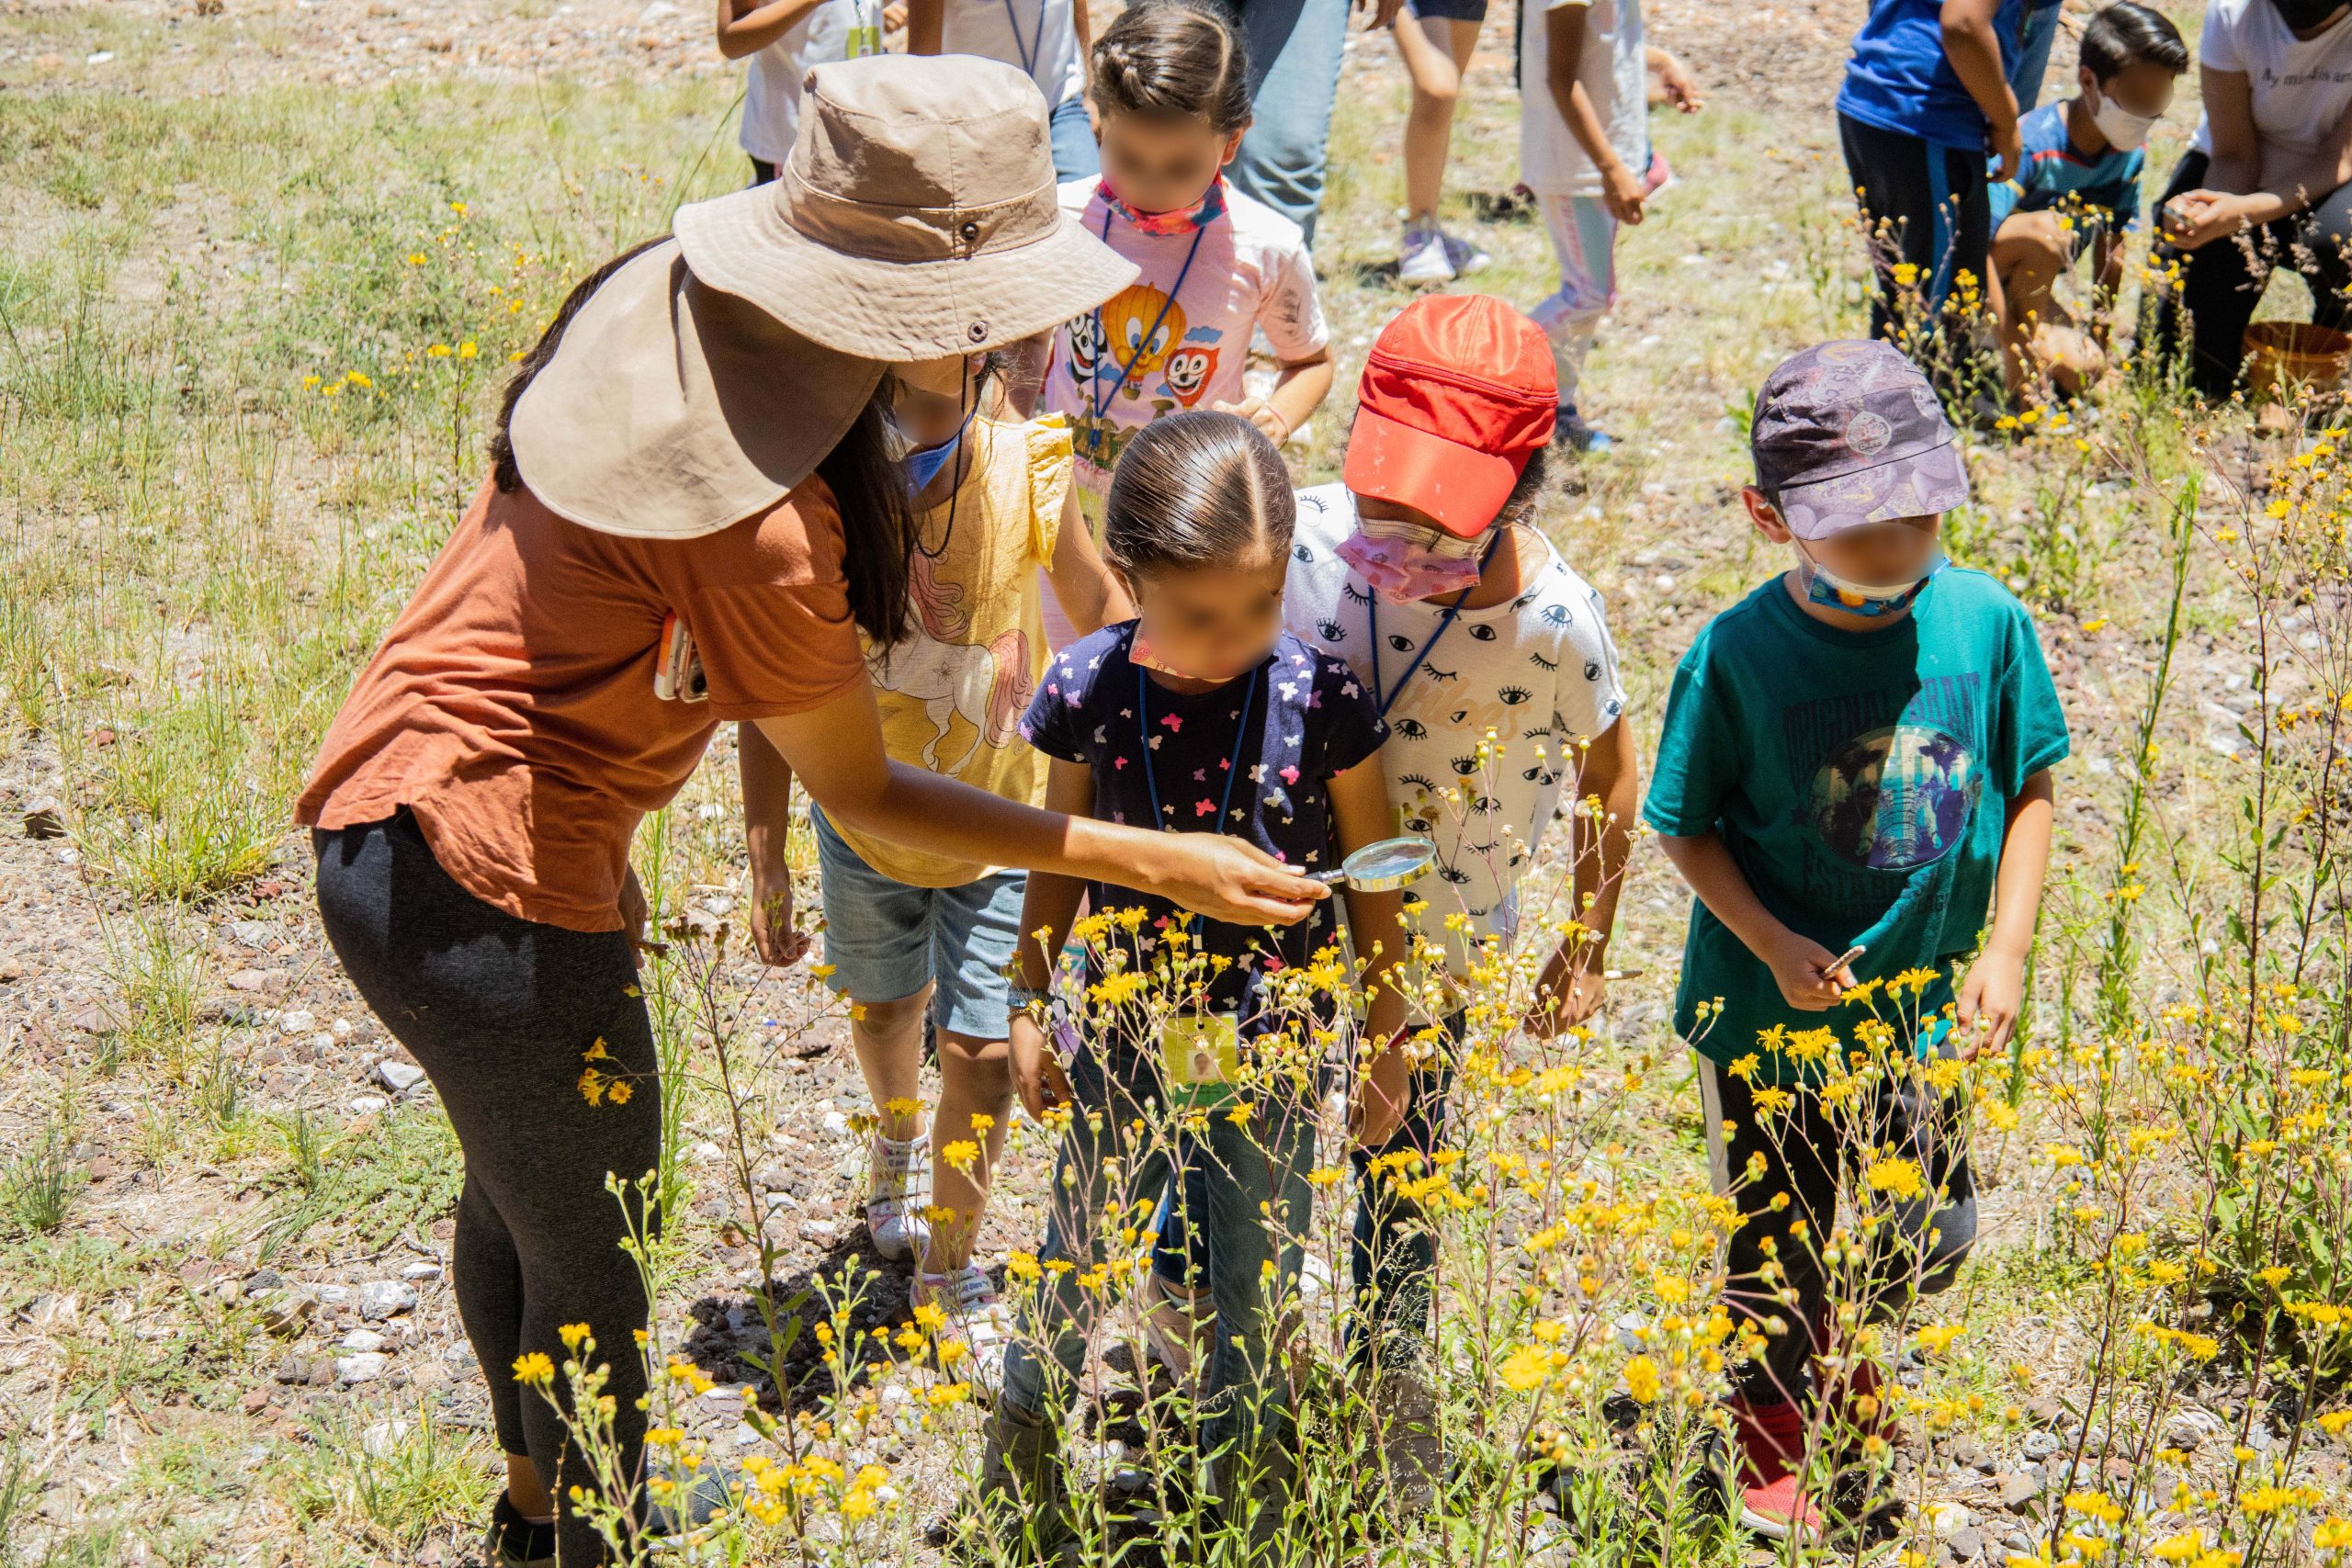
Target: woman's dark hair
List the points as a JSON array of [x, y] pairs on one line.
[[1174, 57], [502, 471], [1195, 489], [2125, 34], [868, 481], [869, 484]]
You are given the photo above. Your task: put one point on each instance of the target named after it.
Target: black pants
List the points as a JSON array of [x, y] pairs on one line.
[[763, 171], [1923, 205], [2222, 282], [1806, 1155], [1392, 1254], [502, 1013]]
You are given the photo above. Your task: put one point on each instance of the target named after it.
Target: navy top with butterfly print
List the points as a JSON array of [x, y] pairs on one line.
[[1539, 671], [1307, 719]]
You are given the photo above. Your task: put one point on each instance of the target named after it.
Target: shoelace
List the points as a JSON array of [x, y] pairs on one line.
[[901, 1179]]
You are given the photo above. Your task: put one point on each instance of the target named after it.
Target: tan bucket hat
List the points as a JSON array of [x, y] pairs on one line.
[[914, 218], [710, 376]]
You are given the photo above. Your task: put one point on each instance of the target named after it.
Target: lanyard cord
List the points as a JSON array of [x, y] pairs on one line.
[[1028, 51], [1102, 399], [1388, 697], [1233, 768]]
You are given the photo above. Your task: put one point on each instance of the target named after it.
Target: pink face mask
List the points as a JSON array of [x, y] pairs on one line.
[[1411, 562]]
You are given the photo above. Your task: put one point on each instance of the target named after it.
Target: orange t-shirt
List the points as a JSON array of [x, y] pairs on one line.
[[512, 708]]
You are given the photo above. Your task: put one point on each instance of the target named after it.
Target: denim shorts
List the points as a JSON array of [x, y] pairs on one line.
[[887, 940], [1453, 10]]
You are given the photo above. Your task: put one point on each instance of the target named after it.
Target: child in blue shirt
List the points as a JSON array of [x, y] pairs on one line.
[[1925, 96], [2078, 189], [1857, 755]]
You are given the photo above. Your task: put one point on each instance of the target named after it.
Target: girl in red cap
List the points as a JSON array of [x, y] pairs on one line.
[[1491, 662]]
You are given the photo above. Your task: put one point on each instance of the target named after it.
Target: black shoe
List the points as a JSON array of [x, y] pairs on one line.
[[516, 1542]]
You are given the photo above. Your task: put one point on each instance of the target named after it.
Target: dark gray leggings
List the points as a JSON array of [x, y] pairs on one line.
[[499, 1011]]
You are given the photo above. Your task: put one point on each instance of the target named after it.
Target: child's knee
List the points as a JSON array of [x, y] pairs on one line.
[[982, 1068]]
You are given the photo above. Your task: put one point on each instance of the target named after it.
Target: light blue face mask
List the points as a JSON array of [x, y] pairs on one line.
[[922, 466], [1826, 588]]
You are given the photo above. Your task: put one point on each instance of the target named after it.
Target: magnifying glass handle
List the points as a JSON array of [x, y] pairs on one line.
[[1335, 877]]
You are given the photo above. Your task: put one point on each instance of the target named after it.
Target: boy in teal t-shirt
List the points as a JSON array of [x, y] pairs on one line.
[[1843, 765]]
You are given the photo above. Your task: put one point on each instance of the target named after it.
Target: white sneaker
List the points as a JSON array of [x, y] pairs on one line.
[[976, 1317], [1466, 259], [897, 1189], [1177, 1330], [1421, 258]]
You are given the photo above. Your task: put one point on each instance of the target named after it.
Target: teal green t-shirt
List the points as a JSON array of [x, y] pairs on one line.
[[1862, 781]]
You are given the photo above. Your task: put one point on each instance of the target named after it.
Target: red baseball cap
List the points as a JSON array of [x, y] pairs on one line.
[[1458, 393]]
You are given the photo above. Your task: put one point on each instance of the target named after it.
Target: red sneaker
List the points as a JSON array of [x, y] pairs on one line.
[[1781, 1511], [1771, 1455]]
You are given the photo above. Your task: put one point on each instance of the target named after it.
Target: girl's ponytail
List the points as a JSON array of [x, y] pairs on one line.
[[1174, 57], [1197, 489]]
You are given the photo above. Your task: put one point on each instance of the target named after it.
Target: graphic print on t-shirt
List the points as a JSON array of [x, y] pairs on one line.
[[1168, 365], [1887, 779]]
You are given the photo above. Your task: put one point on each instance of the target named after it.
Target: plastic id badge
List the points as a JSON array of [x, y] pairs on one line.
[[677, 667], [1201, 1052]]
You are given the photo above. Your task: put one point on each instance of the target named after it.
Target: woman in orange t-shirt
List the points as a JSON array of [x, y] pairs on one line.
[[698, 500]]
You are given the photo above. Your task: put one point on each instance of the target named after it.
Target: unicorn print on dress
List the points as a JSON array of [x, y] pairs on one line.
[[988, 685]]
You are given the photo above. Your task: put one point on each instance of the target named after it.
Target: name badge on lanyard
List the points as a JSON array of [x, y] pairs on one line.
[[1200, 1055]]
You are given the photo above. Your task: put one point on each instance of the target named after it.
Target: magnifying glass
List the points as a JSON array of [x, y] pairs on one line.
[[1376, 868]]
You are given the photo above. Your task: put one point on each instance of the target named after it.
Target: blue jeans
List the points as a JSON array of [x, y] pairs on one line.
[[1392, 1256], [1294, 81], [1254, 1201], [1074, 154], [2038, 32]]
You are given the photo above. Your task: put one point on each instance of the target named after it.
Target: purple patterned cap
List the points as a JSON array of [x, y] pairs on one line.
[[1847, 433]]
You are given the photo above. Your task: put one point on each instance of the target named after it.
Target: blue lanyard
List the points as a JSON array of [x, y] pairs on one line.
[[1233, 768], [1028, 51], [1168, 302], [1386, 697]]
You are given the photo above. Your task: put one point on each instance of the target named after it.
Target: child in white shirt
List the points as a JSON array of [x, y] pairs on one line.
[[781, 39], [1584, 149]]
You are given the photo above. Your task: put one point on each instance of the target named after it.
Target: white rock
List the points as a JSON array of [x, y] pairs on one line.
[[368, 1104], [836, 1123], [333, 1295], [101, 58], [418, 1273], [298, 1020], [746, 1435], [322, 1042], [365, 1367], [704, 1152], [381, 1299], [340, 1028], [397, 1076], [1947, 1518], [363, 1339], [381, 1439], [822, 1232]]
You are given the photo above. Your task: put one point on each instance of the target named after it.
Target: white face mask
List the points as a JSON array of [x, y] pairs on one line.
[[2123, 129]]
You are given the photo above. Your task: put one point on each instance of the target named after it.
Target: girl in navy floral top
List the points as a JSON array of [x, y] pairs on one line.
[[1204, 716]]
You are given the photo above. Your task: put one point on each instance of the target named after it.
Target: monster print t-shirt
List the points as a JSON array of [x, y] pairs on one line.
[[1248, 759], [1862, 781], [1537, 671], [953, 692], [1157, 345]]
